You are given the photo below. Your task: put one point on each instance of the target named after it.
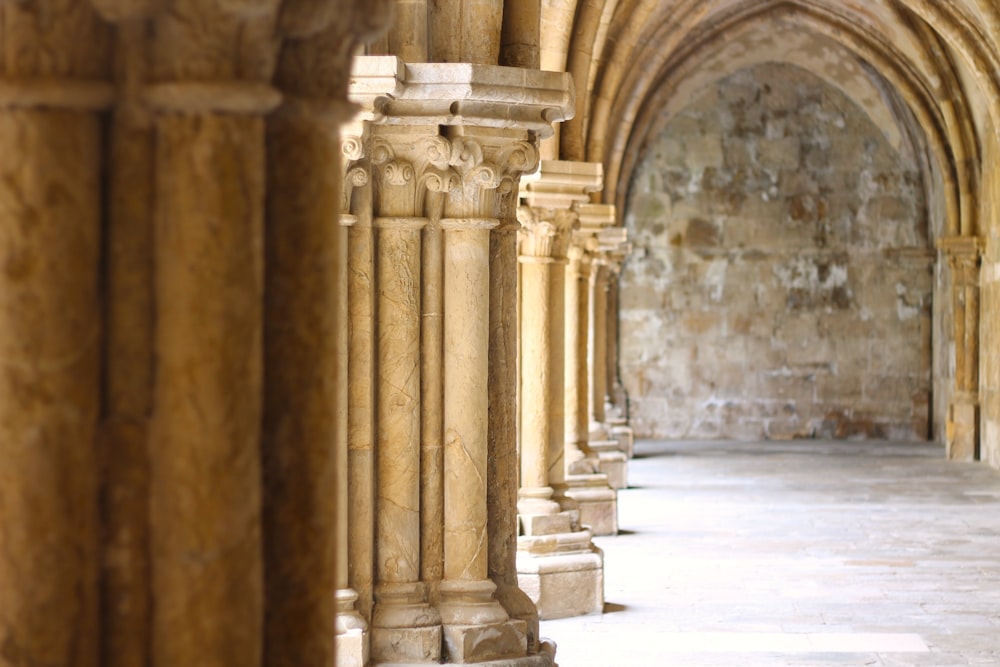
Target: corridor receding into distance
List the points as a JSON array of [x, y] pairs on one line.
[[796, 554]]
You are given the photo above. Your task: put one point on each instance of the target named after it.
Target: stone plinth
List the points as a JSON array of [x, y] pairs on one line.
[[611, 461], [625, 437], [562, 574], [598, 502]]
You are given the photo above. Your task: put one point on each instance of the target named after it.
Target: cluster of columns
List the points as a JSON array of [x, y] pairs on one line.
[[570, 470], [964, 254], [432, 164], [259, 398], [170, 330]]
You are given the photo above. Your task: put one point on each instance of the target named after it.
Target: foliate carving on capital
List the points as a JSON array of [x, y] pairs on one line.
[[964, 256], [536, 236]]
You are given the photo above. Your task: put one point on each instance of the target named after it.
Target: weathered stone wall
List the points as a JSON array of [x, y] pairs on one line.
[[781, 282]]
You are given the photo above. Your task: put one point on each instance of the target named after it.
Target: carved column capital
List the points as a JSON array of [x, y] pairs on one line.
[[964, 255], [55, 57], [536, 237], [613, 248]]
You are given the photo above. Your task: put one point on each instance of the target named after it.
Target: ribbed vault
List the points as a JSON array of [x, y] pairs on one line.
[[936, 58]]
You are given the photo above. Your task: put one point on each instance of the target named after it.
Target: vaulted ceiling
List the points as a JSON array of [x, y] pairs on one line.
[[635, 60]]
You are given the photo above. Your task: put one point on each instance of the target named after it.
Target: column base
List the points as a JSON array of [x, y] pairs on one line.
[[476, 628], [547, 524], [962, 430], [625, 437], [562, 574], [612, 462], [598, 502], [352, 648], [480, 643], [351, 632], [405, 629], [543, 659]]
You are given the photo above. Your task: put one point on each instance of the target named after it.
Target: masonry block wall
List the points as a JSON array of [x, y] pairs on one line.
[[782, 266]]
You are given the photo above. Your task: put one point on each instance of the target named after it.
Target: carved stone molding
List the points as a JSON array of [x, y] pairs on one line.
[[395, 92]]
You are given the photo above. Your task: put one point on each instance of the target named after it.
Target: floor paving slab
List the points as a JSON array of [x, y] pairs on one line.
[[764, 554]]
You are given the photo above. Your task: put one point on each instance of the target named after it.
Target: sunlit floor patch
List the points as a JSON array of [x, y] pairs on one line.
[[783, 642]]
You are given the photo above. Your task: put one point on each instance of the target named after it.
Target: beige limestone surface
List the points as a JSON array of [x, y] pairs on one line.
[[781, 282]]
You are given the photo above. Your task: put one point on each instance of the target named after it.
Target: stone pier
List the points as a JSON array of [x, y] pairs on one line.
[[558, 565]]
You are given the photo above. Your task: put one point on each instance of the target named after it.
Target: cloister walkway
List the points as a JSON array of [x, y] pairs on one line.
[[797, 554]]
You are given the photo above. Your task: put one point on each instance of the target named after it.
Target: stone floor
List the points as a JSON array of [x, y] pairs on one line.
[[797, 554]]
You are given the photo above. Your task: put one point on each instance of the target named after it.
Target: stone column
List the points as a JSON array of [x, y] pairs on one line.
[[589, 485], [488, 137], [476, 626], [361, 378], [305, 410], [611, 448], [557, 563], [615, 242], [962, 430], [405, 628], [575, 372], [55, 86], [597, 352], [502, 463], [205, 445], [535, 494], [354, 513]]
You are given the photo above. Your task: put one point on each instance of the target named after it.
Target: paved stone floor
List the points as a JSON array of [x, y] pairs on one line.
[[797, 554]]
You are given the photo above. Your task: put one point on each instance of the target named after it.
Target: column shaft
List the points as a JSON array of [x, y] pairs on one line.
[[360, 409], [597, 343], [398, 396], [432, 404], [404, 627], [204, 451], [536, 386], [577, 382], [49, 386], [502, 465], [557, 380], [301, 447], [466, 404]]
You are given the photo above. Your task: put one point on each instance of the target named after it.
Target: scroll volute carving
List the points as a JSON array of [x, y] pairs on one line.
[[354, 166], [407, 170]]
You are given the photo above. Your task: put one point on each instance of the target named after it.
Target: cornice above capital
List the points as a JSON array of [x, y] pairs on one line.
[[961, 246], [595, 217], [562, 183], [393, 92]]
